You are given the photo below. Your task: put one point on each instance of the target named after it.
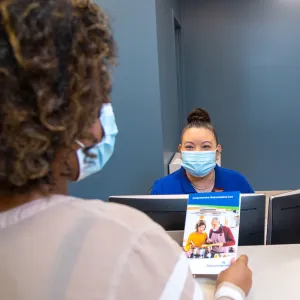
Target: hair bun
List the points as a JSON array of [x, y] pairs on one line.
[[198, 115]]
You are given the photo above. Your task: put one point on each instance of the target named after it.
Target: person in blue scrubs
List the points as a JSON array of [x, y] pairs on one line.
[[199, 173]]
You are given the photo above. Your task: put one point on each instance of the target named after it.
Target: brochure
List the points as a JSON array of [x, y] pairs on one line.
[[211, 231]]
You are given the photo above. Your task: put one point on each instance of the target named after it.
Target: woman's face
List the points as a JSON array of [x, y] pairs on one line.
[[199, 139], [201, 228]]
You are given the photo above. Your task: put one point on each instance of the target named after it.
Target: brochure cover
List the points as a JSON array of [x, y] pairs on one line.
[[211, 231]]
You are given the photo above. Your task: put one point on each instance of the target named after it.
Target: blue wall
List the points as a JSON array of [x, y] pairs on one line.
[[138, 158], [243, 65], [166, 11]]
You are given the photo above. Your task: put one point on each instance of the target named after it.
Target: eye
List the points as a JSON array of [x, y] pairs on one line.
[[189, 147], [206, 147]]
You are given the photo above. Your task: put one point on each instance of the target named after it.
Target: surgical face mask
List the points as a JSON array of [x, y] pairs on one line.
[[103, 150], [198, 163]]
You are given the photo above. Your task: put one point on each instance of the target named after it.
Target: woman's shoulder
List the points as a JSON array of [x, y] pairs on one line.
[[112, 214], [169, 178], [230, 173], [168, 184], [234, 178], [114, 237]]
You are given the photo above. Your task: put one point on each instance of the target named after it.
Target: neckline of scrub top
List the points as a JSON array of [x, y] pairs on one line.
[[189, 189]]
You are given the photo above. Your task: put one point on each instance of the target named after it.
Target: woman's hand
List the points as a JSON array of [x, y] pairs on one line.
[[238, 274], [209, 241]]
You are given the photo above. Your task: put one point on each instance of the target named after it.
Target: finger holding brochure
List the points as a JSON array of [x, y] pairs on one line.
[[211, 231]]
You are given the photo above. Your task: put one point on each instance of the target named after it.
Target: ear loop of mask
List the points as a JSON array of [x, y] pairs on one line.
[[81, 145]]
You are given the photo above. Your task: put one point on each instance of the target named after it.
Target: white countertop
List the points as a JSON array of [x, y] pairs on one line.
[[276, 273]]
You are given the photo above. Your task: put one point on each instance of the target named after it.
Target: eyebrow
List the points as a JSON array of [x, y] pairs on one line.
[[189, 142]]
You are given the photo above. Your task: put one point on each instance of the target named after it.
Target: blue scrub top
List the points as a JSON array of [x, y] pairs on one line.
[[178, 183]]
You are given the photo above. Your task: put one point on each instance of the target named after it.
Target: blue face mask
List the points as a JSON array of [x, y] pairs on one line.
[[198, 163], [101, 151]]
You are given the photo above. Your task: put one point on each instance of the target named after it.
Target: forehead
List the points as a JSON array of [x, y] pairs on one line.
[[198, 135], [214, 221]]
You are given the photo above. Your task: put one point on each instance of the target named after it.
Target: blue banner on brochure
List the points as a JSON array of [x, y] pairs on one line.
[[223, 199]]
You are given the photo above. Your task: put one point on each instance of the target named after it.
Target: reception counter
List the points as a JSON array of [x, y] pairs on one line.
[[276, 271]]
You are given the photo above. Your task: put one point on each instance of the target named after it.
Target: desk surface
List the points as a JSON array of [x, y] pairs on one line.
[[276, 272]]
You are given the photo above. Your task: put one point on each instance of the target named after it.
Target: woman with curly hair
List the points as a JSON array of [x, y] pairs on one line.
[[57, 125]]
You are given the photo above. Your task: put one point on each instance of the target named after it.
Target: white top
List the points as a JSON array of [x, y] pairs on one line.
[[66, 248]]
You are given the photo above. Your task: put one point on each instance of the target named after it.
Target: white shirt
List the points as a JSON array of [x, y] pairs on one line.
[[67, 248]]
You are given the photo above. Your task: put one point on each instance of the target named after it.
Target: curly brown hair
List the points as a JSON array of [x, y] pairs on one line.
[[56, 58]]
